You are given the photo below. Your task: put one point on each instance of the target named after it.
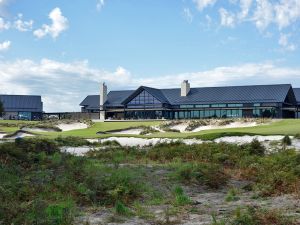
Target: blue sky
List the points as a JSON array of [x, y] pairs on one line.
[[63, 49]]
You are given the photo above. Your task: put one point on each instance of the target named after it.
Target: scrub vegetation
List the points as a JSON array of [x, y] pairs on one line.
[[161, 184]]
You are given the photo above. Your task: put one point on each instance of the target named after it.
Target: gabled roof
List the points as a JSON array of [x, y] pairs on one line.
[[230, 94], [157, 93], [22, 103], [297, 94]]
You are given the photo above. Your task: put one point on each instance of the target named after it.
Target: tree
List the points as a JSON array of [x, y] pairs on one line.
[[1, 109]]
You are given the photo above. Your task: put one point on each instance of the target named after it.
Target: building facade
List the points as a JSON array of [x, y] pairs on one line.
[[22, 107], [274, 101]]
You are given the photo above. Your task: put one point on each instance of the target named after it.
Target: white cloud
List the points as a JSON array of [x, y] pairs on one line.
[[227, 18], [4, 25], [22, 25], [59, 24], [284, 42], [202, 4], [187, 14], [264, 14], [100, 4], [245, 6], [4, 46], [287, 12], [48, 78]]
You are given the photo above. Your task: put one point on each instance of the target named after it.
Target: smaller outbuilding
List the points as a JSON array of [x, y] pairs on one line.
[[22, 107]]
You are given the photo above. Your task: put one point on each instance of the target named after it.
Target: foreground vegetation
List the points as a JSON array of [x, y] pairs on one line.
[[41, 185]]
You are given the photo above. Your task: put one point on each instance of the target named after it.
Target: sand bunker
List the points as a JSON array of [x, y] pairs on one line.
[[72, 126], [158, 129], [39, 129], [181, 127], [20, 134], [247, 139], [2, 135], [134, 131], [132, 141], [231, 125]]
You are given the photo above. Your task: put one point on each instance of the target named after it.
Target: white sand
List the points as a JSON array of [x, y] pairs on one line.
[[231, 125], [181, 127], [129, 132], [79, 151], [296, 143], [2, 135], [72, 126], [132, 141], [21, 134], [93, 140], [38, 129], [158, 129], [247, 139]]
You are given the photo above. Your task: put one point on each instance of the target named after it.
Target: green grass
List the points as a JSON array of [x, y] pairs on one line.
[[280, 127]]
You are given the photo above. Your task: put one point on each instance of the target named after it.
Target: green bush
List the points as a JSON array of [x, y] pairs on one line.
[[71, 141], [257, 148], [211, 175], [286, 141]]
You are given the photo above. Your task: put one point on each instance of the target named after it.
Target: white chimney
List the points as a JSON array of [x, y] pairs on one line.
[[185, 88], [103, 98]]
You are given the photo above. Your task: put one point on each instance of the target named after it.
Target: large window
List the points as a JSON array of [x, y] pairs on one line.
[[218, 105], [144, 99], [235, 105], [186, 106]]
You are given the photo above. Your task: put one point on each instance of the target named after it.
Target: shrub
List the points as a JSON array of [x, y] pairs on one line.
[[195, 124], [211, 175], [71, 141], [286, 141], [37, 145], [297, 136], [257, 148]]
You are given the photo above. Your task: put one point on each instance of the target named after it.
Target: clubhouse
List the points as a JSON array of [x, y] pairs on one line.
[[272, 101]]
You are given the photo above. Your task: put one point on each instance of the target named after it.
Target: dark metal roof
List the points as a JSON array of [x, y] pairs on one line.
[[205, 95], [297, 94], [114, 99], [233, 94], [22, 103]]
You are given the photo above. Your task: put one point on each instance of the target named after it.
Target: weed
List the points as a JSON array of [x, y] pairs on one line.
[[232, 195], [181, 198], [121, 209]]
